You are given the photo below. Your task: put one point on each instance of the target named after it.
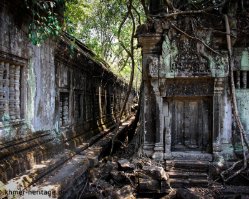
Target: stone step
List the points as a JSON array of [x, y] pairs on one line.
[[181, 183], [186, 165], [187, 175], [191, 156]]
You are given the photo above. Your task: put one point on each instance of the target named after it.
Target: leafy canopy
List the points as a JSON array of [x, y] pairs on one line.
[[96, 23], [107, 27]]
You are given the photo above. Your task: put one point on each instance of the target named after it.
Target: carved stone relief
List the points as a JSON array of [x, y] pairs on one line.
[[183, 56], [220, 65], [188, 61], [154, 66], [189, 87]]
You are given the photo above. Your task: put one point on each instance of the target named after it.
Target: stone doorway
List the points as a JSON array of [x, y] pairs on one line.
[[191, 124]]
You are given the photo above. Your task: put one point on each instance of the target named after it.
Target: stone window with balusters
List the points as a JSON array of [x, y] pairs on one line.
[[10, 87], [241, 76], [64, 82]]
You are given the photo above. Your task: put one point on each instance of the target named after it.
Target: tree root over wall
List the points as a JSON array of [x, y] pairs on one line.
[[230, 172]]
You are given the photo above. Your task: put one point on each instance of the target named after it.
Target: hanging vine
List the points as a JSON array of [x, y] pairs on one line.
[[244, 143]]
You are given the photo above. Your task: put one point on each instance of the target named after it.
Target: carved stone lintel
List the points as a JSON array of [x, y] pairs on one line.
[[182, 57], [189, 87]]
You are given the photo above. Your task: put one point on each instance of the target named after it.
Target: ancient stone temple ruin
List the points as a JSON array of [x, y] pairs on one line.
[[187, 110], [55, 102]]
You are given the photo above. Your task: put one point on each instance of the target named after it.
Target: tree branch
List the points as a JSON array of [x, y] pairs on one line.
[[131, 55], [189, 12], [235, 109], [195, 38], [146, 11]]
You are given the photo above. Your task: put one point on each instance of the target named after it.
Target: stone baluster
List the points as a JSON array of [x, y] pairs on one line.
[[12, 92], [61, 110], [244, 79], [65, 109], [1, 90], [238, 79], [6, 90], [17, 91]]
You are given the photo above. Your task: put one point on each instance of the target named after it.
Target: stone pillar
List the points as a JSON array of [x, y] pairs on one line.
[[159, 148], [151, 50], [167, 120], [217, 114], [148, 145]]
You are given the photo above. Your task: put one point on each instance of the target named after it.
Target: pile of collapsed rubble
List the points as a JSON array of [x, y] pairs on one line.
[[124, 179], [127, 175], [137, 178], [124, 175]]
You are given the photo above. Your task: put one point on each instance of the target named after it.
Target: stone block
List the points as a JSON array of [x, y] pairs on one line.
[[125, 165], [156, 172], [125, 192], [149, 186]]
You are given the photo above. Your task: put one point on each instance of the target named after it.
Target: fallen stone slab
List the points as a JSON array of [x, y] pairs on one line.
[[156, 172], [120, 177], [125, 165], [125, 192], [149, 186]]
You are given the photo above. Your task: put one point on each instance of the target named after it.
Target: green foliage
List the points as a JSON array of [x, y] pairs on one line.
[[45, 19], [96, 23]]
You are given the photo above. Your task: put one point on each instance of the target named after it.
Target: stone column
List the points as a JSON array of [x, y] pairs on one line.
[[151, 50], [217, 114], [147, 143], [167, 147], [159, 146]]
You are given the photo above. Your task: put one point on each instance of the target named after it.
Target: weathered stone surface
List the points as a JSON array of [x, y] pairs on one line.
[[119, 177], [183, 193], [186, 100], [152, 179], [186, 93], [125, 165], [155, 172], [149, 186], [56, 102], [125, 192]]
